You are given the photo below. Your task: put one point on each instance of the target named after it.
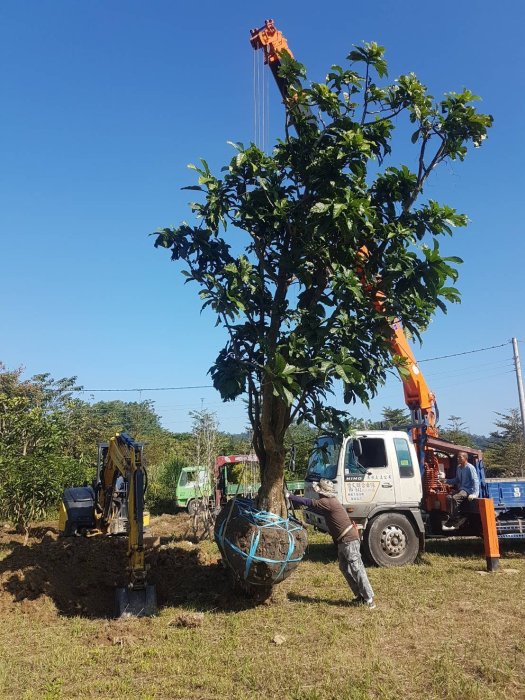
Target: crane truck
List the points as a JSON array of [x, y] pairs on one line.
[[391, 479]]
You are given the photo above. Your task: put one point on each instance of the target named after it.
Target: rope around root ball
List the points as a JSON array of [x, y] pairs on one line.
[[262, 519]]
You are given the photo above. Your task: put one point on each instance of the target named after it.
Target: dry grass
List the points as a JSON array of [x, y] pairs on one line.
[[441, 630]]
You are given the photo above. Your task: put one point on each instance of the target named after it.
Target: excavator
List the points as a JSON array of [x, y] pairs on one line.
[[114, 505], [436, 457]]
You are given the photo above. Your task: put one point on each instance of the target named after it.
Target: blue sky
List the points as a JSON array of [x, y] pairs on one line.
[[105, 103]]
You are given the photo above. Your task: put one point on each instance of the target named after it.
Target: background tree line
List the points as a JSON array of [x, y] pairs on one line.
[[503, 449], [48, 441]]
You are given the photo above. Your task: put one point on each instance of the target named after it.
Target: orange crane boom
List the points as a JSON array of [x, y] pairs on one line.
[[274, 44]]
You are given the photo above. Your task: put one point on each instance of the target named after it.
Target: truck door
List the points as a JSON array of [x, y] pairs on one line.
[[409, 490], [368, 479]]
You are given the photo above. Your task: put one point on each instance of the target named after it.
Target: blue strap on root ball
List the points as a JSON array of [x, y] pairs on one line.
[[243, 508]]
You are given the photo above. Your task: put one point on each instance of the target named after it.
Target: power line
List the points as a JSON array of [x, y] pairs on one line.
[[210, 386], [159, 388], [467, 352]]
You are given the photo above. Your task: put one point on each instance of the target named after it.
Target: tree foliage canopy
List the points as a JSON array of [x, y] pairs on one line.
[[456, 432], [48, 440], [324, 222], [393, 418]]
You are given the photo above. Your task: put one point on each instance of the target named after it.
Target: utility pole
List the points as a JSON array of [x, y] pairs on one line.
[[520, 383]]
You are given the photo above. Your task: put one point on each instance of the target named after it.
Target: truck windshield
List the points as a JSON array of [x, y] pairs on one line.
[[323, 460], [193, 477], [187, 478], [373, 455]]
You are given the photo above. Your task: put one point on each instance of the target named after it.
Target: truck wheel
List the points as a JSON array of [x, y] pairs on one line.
[[390, 540], [192, 506]]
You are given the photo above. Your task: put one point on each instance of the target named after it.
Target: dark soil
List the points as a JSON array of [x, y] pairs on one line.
[[52, 575]]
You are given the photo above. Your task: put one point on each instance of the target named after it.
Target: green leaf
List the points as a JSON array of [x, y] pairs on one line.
[[288, 396], [320, 208]]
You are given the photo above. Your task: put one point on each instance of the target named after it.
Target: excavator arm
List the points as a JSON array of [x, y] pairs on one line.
[[123, 456]]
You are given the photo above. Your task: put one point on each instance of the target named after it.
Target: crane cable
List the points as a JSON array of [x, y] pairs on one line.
[[261, 113]]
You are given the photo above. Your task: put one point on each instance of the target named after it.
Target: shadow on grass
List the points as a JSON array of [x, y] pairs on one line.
[[298, 598], [459, 547], [80, 576], [473, 548], [164, 506]]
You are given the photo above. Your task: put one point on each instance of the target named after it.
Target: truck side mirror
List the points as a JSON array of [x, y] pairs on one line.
[[356, 447]]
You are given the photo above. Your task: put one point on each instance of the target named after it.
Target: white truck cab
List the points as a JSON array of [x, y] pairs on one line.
[[376, 474]]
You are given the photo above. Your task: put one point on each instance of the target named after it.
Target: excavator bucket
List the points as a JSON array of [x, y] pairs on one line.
[[136, 602]]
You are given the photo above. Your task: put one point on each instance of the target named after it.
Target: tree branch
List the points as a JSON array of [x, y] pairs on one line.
[[423, 175], [365, 98]]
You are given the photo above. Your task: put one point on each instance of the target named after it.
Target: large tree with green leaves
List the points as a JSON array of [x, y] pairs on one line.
[[277, 248], [89, 424]]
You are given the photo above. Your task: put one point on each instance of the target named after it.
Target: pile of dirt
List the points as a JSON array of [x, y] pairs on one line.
[[78, 574], [175, 527], [52, 575]]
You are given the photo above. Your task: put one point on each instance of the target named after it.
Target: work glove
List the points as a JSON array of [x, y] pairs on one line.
[[471, 497]]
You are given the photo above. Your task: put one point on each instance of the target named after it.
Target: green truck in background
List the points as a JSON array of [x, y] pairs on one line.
[[195, 484]]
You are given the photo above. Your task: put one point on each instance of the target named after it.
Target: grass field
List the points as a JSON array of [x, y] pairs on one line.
[[441, 629]]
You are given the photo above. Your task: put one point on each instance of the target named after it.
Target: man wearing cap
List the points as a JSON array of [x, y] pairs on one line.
[[345, 535]]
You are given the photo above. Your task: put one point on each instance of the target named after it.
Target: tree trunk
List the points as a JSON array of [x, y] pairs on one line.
[[275, 417], [258, 549], [271, 493]]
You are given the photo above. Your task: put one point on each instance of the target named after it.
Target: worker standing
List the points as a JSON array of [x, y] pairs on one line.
[[345, 535]]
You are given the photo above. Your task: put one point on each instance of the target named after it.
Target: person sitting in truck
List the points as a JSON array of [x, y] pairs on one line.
[[345, 535], [466, 483]]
